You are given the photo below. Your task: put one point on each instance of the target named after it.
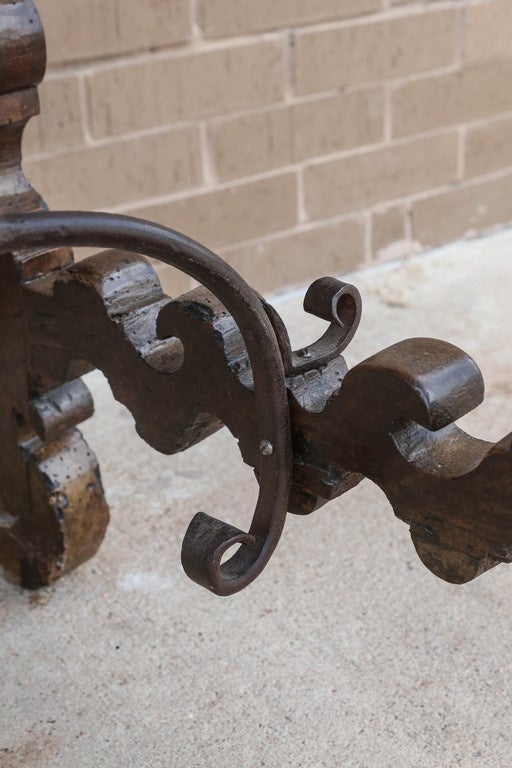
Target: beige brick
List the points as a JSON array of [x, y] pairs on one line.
[[380, 50], [489, 30], [388, 233], [59, 125], [463, 211], [234, 214], [159, 92], [219, 18], [472, 94], [78, 30], [114, 174], [286, 135], [488, 148], [330, 249], [360, 181]]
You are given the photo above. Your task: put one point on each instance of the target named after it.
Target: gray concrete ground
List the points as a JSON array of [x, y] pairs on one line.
[[345, 653]]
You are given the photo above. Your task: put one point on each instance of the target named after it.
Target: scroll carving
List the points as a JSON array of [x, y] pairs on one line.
[[218, 355]]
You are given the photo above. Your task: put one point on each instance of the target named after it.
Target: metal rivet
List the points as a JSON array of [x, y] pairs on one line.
[[266, 448]]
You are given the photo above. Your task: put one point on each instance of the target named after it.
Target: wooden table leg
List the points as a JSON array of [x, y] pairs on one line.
[[52, 510]]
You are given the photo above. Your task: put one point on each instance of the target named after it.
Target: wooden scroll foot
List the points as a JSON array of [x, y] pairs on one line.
[[393, 422]]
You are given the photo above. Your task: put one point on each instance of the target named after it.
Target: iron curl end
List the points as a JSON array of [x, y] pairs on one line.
[[329, 299], [206, 542]]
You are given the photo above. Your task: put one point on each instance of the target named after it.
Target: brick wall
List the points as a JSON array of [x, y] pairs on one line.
[[294, 137]]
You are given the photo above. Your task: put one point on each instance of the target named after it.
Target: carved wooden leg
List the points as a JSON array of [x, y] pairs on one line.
[[52, 511]]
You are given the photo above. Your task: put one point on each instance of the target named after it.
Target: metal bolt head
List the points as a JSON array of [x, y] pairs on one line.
[[266, 448]]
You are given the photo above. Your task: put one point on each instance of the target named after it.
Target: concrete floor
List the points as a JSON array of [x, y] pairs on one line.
[[346, 653]]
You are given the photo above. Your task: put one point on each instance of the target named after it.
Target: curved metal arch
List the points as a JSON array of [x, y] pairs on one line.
[[207, 539]]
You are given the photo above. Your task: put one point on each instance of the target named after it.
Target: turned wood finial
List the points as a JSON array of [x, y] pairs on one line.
[[23, 60], [22, 67]]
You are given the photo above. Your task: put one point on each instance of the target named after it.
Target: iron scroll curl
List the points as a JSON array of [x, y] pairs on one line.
[[207, 539]]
